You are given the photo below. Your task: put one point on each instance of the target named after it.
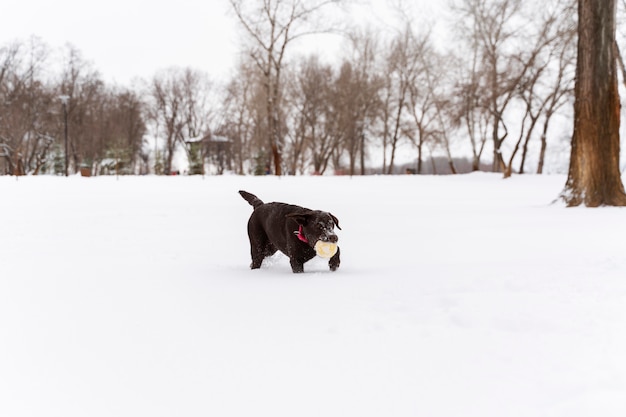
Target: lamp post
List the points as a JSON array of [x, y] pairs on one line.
[[64, 99]]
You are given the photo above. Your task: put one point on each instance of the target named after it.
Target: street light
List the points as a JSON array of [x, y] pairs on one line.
[[64, 99]]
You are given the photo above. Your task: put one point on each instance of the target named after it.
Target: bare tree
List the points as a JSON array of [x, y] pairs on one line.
[[403, 67], [126, 128], [514, 45], [166, 109], [468, 109], [179, 104], [429, 104], [313, 119], [86, 91], [32, 121], [357, 102], [238, 121], [559, 86], [271, 26], [26, 122], [12, 123], [537, 62], [491, 32], [442, 134], [594, 177], [199, 113]]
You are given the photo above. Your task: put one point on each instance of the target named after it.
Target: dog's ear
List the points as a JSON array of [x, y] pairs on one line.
[[335, 220], [301, 218]]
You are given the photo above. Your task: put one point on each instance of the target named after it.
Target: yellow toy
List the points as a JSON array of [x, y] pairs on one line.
[[325, 249]]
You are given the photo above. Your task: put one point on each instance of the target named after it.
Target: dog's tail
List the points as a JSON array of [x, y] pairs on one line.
[[251, 198]]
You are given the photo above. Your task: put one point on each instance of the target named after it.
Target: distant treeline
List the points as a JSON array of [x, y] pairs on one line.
[[495, 91]]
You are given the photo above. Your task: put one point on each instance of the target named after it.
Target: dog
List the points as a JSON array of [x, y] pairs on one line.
[[291, 229]]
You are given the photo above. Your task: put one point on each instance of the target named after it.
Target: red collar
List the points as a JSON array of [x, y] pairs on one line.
[[300, 235]]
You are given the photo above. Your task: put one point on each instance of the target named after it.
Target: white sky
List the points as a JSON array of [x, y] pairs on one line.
[[135, 38], [129, 38]]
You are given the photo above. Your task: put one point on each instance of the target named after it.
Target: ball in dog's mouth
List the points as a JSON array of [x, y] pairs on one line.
[[325, 249]]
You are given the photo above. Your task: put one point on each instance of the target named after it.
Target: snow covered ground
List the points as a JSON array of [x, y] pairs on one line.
[[457, 296]]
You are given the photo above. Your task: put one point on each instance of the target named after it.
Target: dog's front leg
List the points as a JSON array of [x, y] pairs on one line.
[[334, 261], [296, 265]]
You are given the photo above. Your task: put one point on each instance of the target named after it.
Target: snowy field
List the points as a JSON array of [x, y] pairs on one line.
[[456, 297]]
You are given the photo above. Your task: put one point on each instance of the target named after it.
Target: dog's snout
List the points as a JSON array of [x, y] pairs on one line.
[[332, 238]]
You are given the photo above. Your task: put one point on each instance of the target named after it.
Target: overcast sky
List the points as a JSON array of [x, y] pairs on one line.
[[128, 38], [135, 38]]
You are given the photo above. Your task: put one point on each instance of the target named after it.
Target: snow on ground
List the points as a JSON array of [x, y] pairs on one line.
[[457, 296]]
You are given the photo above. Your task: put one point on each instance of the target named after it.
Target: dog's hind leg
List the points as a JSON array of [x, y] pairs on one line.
[[257, 260], [258, 252], [260, 249]]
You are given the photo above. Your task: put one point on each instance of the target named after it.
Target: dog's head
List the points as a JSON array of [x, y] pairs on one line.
[[315, 225]]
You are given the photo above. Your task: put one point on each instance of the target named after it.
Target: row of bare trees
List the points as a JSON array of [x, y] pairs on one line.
[[103, 121], [510, 70], [496, 85], [518, 74]]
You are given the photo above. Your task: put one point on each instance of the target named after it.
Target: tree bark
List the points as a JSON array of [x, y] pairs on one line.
[[594, 177]]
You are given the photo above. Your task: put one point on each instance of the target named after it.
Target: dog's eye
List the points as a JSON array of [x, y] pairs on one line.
[[325, 226]]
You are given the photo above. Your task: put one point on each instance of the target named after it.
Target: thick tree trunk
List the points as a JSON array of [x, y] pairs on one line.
[[594, 176], [419, 156]]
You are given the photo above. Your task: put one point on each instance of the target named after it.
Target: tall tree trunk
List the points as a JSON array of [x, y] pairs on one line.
[[542, 152], [419, 156], [362, 150], [594, 176], [396, 134]]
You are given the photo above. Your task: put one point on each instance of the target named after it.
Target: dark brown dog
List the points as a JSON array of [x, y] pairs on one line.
[[291, 229]]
